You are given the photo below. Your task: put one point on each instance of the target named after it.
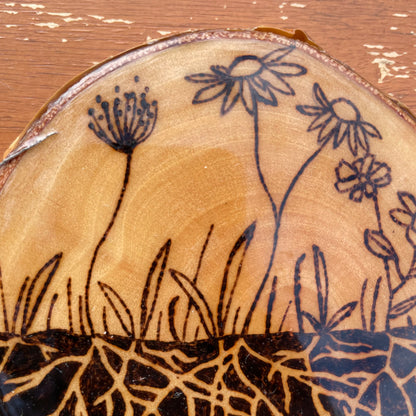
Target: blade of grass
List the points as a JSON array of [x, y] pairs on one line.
[[3, 301], [69, 305], [29, 314], [272, 298], [119, 307], [313, 321], [151, 288], [159, 325], [297, 289], [342, 314], [81, 315], [229, 282], [18, 303], [237, 313], [321, 284], [373, 306], [195, 279], [363, 289], [284, 317], [198, 301], [52, 305], [172, 329]]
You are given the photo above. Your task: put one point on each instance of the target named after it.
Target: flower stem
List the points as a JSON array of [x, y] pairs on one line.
[[412, 269], [385, 260], [377, 209], [101, 242], [277, 215]]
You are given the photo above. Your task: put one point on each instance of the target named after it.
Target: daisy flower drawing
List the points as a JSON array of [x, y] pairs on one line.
[[251, 80], [338, 120]]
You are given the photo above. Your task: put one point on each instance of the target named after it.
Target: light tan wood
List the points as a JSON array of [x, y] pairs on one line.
[[225, 190]]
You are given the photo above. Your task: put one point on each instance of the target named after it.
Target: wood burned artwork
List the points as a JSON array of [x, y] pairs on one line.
[[221, 223]]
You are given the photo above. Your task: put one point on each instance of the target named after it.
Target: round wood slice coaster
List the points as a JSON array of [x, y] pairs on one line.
[[221, 223]]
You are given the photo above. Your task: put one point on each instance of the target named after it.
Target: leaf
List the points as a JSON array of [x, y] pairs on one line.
[[321, 284], [363, 289], [297, 289], [195, 279], [152, 287], [18, 303], [119, 307], [5, 320], [198, 301], [172, 313], [232, 274], [38, 288], [402, 307], [378, 244], [313, 321], [374, 306], [342, 314]]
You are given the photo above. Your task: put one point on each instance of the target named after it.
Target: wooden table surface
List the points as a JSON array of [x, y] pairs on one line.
[[44, 44]]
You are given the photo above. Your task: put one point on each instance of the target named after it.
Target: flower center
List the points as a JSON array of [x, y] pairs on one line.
[[246, 66], [345, 110]]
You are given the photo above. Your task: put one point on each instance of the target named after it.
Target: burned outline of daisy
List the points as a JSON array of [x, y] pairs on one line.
[[251, 80], [123, 125], [248, 79], [339, 120]]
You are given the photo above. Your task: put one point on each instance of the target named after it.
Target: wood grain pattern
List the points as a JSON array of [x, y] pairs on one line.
[[44, 44]]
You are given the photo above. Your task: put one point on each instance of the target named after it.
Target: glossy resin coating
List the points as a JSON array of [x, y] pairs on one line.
[[221, 223]]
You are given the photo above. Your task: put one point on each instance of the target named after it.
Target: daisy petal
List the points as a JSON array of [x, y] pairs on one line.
[[345, 172], [322, 120], [320, 96], [277, 54], [343, 187], [209, 93], [352, 144], [279, 84], [344, 131], [203, 78], [401, 217], [232, 95], [357, 194], [327, 131], [370, 129], [259, 83], [266, 78], [408, 201], [380, 176], [337, 142], [367, 164], [287, 69], [361, 138], [310, 110], [263, 91], [247, 95], [265, 96], [220, 70]]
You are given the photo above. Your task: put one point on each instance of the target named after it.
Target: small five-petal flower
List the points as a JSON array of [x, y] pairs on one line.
[[339, 120], [362, 177], [248, 79]]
